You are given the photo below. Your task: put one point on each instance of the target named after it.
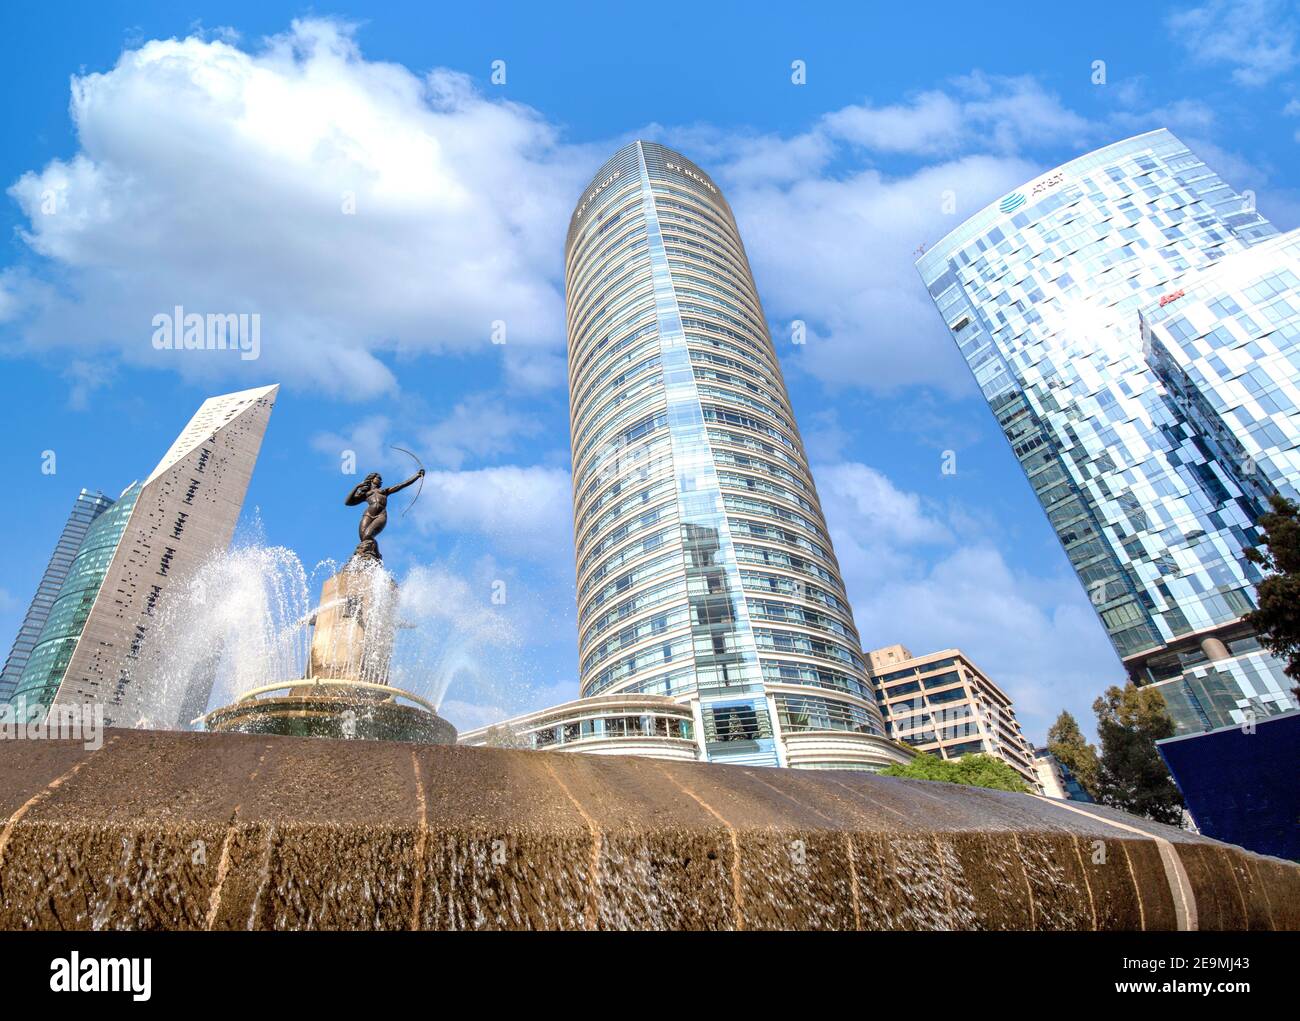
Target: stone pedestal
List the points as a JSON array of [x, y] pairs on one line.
[[331, 709], [346, 693], [355, 625]]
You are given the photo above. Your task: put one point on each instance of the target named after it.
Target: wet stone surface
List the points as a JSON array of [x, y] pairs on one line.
[[231, 831]]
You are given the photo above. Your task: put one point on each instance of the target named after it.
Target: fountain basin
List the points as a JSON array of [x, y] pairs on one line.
[[233, 831], [333, 708]]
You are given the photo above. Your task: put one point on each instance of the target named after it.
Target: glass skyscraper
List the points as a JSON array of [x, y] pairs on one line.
[[58, 638], [704, 567], [87, 507], [1052, 294], [1226, 344]]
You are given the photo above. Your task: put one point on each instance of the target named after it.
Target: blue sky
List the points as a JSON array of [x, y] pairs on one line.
[[201, 155]]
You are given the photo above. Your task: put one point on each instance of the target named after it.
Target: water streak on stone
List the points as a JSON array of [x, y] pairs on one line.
[[324, 834]]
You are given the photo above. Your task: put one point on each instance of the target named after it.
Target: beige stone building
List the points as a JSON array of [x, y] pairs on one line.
[[943, 704]]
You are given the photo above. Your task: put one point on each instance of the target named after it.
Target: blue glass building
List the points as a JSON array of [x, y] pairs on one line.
[[1239, 783], [1053, 294], [86, 508], [43, 673]]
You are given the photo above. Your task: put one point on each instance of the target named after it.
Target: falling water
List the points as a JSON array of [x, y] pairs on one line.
[[245, 622], [242, 622]]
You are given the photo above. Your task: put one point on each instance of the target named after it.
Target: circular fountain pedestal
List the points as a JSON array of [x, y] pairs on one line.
[[345, 693], [334, 708]]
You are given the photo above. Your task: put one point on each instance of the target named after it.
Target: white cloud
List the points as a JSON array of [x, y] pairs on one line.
[[933, 578], [86, 377], [524, 510], [853, 492], [217, 179], [367, 443], [1034, 635], [931, 123], [482, 425], [837, 253], [979, 113], [1257, 38]]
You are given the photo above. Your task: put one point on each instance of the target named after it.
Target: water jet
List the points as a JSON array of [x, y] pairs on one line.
[[346, 691]]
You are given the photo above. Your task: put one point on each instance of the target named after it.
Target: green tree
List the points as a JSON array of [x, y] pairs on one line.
[[1130, 774], [1277, 621], [1066, 742], [971, 770]]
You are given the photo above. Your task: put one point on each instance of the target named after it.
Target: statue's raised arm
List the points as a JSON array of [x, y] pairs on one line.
[[402, 485]]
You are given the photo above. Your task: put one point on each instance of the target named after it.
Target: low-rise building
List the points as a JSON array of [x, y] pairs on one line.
[[942, 704], [648, 725], [812, 735]]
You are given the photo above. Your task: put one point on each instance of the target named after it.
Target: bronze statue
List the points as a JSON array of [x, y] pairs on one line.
[[371, 492]]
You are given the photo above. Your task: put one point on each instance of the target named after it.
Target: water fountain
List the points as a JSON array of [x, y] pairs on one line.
[[231, 829], [346, 690]]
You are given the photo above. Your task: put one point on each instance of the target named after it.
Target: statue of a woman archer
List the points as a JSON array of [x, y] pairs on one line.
[[372, 493]]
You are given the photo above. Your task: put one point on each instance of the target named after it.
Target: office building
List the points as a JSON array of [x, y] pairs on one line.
[[705, 571], [94, 648], [1226, 344], [1049, 293], [942, 704], [85, 509]]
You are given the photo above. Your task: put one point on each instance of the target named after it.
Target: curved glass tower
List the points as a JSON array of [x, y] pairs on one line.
[[704, 568]]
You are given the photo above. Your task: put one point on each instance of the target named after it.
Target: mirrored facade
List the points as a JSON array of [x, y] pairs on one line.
[[87, 507], [704, 567], [58, 637], [1045, 292], [1226, 344]]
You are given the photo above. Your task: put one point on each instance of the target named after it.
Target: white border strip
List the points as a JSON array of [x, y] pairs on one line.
[[1179, 885]]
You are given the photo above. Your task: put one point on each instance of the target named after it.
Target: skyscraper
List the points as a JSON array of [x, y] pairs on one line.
[[1044, 292], [704, 567], [95, 647], [1226, 344], [85, 509]]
